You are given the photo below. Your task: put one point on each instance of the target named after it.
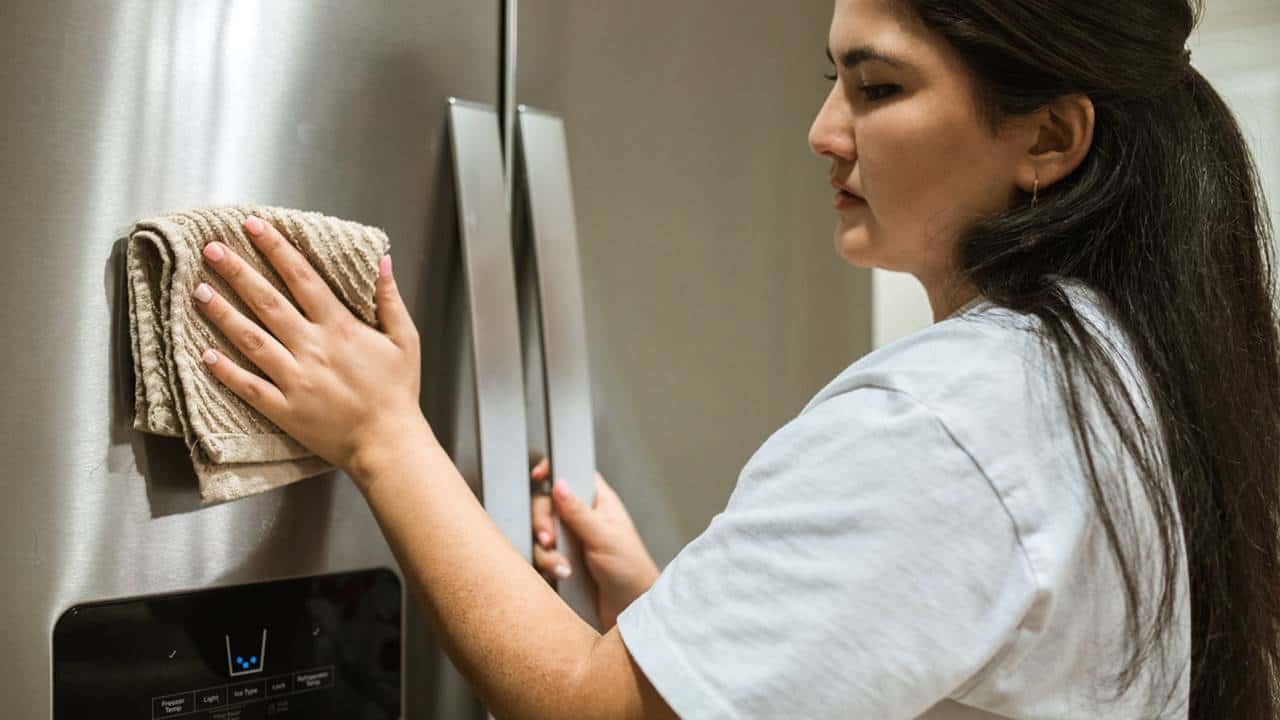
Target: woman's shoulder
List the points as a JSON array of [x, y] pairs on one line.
[[990, 377], [985, 351], [987, 367]]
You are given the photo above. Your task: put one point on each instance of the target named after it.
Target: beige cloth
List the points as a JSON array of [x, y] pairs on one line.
[[235, 450]]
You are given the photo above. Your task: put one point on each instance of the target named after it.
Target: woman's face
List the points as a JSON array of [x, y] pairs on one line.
[[908, 139]]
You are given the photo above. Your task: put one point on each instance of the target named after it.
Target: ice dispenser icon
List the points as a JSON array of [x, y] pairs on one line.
[[246, 660]]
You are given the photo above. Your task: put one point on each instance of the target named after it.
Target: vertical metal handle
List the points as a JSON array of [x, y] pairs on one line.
[[570, 435], [485, 229]]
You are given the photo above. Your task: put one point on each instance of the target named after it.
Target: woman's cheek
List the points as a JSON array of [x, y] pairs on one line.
[[887, 179]]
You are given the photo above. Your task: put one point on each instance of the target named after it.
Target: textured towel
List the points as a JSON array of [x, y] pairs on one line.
[[235, 450]]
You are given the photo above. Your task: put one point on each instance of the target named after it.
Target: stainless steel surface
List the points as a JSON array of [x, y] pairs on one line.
[[716, 305], [510, 56], [115, 111], [566, 380], [490, 279]]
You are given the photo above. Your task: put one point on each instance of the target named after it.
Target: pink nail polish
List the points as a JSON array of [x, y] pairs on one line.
[[560, 488], [214, 251], [544, 537], [384, 266], [253, 225], [203, 293], [210, 357]]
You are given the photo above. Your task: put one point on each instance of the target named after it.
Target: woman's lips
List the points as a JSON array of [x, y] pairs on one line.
[[845, 199]]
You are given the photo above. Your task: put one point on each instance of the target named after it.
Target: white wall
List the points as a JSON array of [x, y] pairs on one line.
[[899, 306], [1235, 47]]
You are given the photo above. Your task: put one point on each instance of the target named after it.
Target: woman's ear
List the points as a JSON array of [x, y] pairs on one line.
[[1061, 135]]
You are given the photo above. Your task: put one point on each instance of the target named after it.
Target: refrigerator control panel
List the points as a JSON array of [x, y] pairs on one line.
[[326, 646]]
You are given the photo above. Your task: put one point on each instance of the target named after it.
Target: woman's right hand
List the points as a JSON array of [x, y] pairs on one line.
[[612, 549]]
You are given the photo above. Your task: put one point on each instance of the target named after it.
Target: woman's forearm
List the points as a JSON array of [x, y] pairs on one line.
[[520, 646]]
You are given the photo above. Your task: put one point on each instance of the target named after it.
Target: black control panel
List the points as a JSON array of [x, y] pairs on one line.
[[326, 646]]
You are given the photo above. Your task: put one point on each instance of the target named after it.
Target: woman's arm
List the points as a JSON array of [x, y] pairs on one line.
[[525, 652], [349, 393]]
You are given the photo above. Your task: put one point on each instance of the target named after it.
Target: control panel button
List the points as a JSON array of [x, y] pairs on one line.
[[313, 679], [172, 705], [279, 685], [211, 698], [246, 691]]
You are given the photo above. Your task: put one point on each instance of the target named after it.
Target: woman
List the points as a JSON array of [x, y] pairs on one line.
[[1057, 501]]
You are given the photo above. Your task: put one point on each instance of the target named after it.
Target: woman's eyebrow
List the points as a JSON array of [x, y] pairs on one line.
[[850, 58]]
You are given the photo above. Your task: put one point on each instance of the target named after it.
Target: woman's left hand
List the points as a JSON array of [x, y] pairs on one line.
[[346, 391]]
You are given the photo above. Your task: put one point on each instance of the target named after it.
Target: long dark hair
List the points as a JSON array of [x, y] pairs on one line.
[[1166, 220]]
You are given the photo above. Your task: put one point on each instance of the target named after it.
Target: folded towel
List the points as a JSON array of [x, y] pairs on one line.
[[236, 451]]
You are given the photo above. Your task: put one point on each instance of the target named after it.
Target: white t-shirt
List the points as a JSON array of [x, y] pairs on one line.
[[919, 542]]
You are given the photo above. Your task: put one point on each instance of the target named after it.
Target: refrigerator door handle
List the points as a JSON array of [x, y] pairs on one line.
[[489, 270], [567, 381]]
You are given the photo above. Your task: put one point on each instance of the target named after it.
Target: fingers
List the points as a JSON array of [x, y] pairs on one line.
[[263, 350], [580, 519], [258, 393], [540, 471], [604, 492], [267, 303], [308, 288], [544, 527], [551, 563], [393, 316]]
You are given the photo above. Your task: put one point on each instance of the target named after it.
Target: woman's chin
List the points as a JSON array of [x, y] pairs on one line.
[[851, 244]]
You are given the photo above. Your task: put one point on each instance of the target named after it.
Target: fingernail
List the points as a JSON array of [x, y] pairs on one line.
[[203, 293], [544, 537], [253, 225], [210, 357], [214, 251], [562, 571], [560, 488], [384, 266]]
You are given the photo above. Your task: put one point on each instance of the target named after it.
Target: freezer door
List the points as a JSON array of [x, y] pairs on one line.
[[119, 110]]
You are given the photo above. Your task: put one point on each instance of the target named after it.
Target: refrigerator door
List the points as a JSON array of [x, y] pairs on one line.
[[495, 333], [714, 302], [119, 110], [545, 194]]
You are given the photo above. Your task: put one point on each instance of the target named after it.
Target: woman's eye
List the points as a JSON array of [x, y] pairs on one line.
[[870, 91]]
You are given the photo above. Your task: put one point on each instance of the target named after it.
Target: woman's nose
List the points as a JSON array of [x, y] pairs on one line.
[[831, 134]]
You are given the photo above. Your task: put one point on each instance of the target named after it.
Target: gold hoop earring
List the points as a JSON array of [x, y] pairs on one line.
[[1035, 192]]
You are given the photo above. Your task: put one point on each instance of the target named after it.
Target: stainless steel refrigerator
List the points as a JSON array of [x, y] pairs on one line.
[[663, 170]]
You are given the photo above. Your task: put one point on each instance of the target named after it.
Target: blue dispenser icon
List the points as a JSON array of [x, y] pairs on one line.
[[246, 661]]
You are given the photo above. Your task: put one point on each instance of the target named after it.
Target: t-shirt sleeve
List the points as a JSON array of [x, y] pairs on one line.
[[863, 567]]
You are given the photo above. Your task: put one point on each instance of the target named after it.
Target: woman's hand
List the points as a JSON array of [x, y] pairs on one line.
[[344, 390], [612, 549]]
